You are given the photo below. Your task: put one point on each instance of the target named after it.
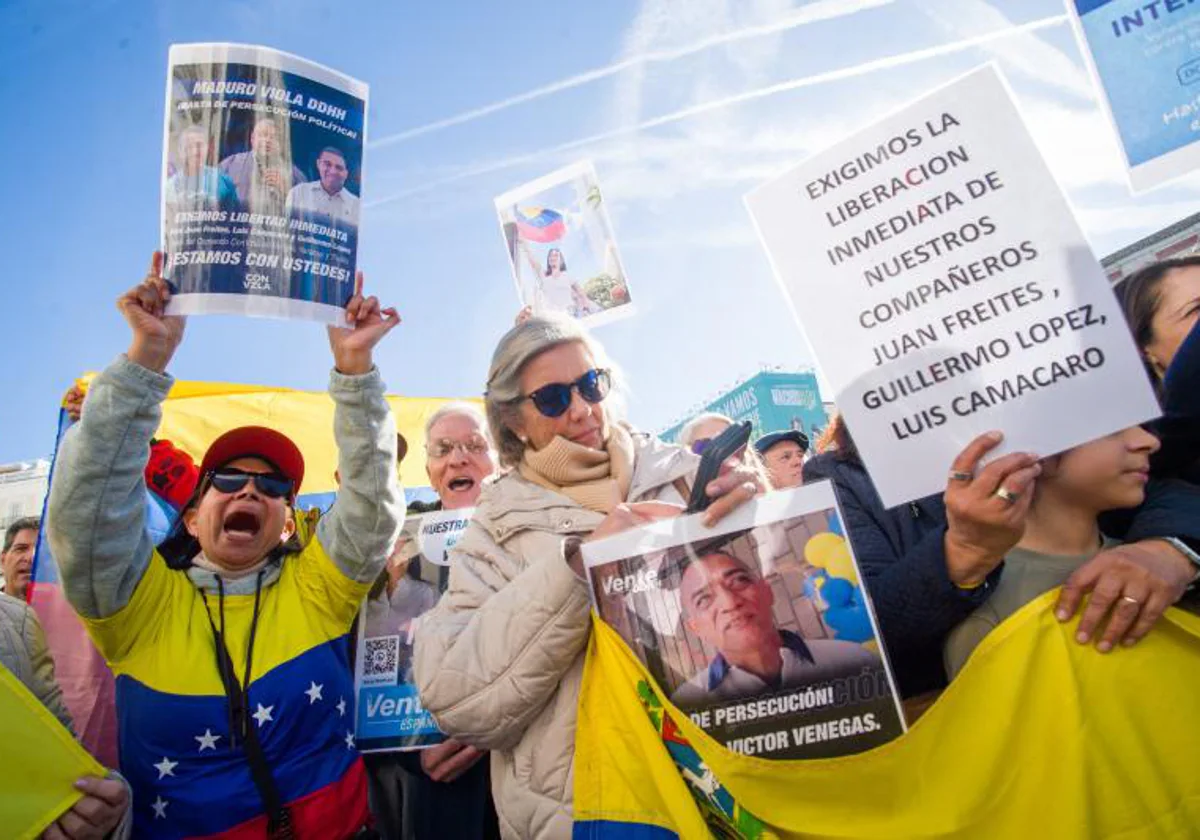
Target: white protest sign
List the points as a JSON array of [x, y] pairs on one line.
[[946, 290]]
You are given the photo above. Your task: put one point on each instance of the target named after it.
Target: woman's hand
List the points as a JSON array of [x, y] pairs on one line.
[[622, 518], [155, 335], [730, 491], [353, 345], [1131, 584], [986, 510], [95, 815], [449, 760], [73, 402]]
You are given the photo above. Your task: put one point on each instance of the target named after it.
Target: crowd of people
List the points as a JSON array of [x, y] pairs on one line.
[[230, 640]]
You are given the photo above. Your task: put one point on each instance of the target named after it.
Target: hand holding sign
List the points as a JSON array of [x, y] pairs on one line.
[[986, 510], [155, 335], [353, 345]]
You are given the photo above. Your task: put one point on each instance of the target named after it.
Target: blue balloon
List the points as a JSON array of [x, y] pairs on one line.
[[851, 624], [838, 592]]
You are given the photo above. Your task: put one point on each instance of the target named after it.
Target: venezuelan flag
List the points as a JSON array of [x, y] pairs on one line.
[[194, 415], [540, 224], [1039, 736]]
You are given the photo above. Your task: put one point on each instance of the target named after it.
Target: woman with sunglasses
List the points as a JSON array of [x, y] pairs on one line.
[[228, 643], [499, 660]]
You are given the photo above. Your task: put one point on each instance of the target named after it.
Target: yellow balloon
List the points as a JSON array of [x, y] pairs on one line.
[[820, 547], [841, 565]]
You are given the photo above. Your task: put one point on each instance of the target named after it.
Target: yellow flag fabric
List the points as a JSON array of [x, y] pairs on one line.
[[1039, 737], [40, 765], [196, 413]]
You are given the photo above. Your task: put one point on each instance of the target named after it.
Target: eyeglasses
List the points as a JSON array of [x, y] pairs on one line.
[[231, 480], [699, 445], [476, 446], [554, 399]]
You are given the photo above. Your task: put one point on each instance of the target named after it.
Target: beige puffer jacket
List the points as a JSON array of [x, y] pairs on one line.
[[499, 661]]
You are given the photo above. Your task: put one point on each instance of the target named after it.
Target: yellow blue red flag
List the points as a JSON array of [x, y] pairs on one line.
[[1038, 737]]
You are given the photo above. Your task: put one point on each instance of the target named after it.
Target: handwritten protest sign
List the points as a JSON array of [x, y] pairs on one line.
[[946, 290], [1144, 59], [758, 629], [389, 714], [561, 247], [262, 176]]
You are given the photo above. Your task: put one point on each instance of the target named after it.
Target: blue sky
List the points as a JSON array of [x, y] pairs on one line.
[[680, 104]]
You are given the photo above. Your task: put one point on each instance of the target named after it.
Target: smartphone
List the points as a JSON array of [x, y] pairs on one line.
[[719, 450]]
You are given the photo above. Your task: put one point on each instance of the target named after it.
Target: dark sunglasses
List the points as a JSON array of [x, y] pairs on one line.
[[554, 399], [271, 485]]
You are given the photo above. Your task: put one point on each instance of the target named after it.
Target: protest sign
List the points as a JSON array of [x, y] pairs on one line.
[[39, 787], [262, 175], [759, 630], [388, 712], [1144, 60], [561, 247], [947, 290]]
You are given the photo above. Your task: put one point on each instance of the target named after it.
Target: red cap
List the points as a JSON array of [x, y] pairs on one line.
[[256, 442]]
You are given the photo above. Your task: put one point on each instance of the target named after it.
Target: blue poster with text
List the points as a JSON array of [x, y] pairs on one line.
[[262, 182], [388, 710], [1145, 55]]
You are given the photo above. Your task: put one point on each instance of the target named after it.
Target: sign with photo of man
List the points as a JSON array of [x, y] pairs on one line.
[[262, 174], [759, 630]]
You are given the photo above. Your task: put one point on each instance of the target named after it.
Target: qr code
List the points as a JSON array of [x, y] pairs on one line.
[[381, 660]]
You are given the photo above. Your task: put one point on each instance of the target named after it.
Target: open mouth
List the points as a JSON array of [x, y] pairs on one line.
[[241, 525], [461, 484]]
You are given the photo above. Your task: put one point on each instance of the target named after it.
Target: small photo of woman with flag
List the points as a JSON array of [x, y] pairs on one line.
[[559, 214]]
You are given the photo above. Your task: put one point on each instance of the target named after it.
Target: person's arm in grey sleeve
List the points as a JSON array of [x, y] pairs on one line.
[[43, 685], [358, 533], [96, 514]]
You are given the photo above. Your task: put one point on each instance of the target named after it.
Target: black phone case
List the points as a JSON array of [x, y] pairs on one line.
[[719, 449]]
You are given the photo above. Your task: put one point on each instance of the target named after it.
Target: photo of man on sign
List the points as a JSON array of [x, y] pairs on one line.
[[729, 606]]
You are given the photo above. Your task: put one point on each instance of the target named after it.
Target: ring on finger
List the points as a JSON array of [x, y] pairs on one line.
[[1129, 599], [1007, 495], [960, 475]]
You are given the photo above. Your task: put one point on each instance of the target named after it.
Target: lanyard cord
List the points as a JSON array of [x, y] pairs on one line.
[[237, 693]]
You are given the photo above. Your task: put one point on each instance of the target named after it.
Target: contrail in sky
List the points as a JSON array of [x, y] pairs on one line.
[[759, 93], [812, 13]]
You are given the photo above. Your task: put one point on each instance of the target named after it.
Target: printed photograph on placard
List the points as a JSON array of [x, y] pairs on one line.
[[762, 634], [262, 181], [389, 715], [561, 247]]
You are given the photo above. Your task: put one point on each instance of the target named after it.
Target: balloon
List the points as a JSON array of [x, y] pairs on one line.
[[820, 547], [837, 592], [841, 565], [851, 624]]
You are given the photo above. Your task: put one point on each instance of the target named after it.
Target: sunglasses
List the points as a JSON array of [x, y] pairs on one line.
[[441, 449], [554, 399], [271, 485]]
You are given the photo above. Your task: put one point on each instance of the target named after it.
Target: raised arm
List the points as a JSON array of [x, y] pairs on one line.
[[96, 520], [359, 532]]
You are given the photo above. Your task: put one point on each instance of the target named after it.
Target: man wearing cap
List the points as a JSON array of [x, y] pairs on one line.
[[730, 608], [229, 642], [783, 454]]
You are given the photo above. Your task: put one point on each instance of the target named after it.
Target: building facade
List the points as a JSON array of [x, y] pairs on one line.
[[773, 401]]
